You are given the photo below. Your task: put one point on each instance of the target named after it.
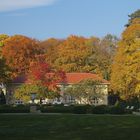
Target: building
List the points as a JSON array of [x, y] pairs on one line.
[[71, 79], [75, 78]]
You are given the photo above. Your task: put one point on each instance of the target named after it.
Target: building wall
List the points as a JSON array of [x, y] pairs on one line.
[[103, 100], [66, 99]]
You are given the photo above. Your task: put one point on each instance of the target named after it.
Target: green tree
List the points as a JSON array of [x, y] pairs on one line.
[[87, 89], [24, 92], [102, 55]]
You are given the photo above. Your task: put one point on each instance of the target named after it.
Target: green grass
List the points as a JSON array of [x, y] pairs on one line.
[[69, 127]]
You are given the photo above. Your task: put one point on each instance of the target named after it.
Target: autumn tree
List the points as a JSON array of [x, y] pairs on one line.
[[42, 74], [79, 54], [4, 70], [19, 51], [41, 79], [72, 54], [102, 55], [50, 47], [105, 55], [126, 67], [133, 16]]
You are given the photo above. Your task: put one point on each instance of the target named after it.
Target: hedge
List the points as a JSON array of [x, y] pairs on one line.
[[75, 109], [14, 109]]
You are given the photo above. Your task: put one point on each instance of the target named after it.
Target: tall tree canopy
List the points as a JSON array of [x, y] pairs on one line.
[[50, 47], [19, 51], [79, 54], [133, 16], [126, 67], [72, 54], [102, 55]]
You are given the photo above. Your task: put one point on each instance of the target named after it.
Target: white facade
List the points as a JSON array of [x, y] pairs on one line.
[[102, 100]]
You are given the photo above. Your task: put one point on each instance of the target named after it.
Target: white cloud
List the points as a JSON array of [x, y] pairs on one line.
[[11, 5]]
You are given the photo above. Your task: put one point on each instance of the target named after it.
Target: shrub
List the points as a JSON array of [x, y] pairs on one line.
[[101, 109], [121, 103], [82, 109], [116, 110], [14, 109], [56, 109]]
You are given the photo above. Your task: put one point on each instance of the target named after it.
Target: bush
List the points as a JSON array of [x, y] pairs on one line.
[[101, 109], [77, 109], [56, 109], [14, 109], [121, 103], [116, 110], [82, 109]]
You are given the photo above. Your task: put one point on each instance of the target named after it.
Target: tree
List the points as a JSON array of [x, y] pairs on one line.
[[24, 92], [2, 38], [50, 47], [133, 16], [88, 90], [42, 80], [79, 54], [19, 51], [72, 54], [126, 67], [4, 70], [108, 46], [42, 73], [103, 51]]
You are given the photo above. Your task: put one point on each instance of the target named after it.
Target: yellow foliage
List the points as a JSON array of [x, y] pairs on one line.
[[126, 67]]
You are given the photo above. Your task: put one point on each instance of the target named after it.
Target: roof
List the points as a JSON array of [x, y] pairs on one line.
[[71, 78], [74, 78]]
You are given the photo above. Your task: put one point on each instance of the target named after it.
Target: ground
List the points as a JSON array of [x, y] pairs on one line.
[[69, 127]]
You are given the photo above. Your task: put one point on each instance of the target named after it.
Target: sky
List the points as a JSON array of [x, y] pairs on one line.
[[43, 19]]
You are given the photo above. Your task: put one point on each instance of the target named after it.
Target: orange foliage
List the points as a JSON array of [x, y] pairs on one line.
[[50, 47], [72, 54], [19, 51]]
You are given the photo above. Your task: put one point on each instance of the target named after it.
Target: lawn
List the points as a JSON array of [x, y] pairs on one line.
[[69, 127]]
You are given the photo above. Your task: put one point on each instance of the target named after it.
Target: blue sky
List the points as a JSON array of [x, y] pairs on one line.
[[42, 19]]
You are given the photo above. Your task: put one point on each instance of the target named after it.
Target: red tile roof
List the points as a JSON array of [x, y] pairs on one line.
[[71, 78], [74, 78]]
